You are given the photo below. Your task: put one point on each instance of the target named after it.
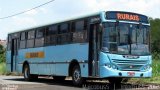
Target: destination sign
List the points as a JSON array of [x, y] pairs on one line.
[[131, 17], [126, 16]]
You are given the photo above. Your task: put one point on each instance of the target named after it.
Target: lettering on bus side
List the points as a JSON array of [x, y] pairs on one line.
[[34, 55], [123, 16]]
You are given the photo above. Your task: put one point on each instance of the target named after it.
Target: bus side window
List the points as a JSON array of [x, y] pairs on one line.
[[39, 41], [72, 26], [51, 32], [40, 32], [30, 41], [23, 40], [31, 34], [64, 28], [64, 35], [9, 43], [80, 34], [79, 25]]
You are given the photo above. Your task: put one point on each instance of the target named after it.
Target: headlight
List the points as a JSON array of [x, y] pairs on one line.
[[146, 67], [110, 65], [114, 66]]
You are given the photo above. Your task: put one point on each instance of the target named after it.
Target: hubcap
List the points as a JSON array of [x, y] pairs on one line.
[[76, 75], [26, 73]]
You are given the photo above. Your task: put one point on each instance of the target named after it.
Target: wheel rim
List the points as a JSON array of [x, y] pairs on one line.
[[26, 73], [76, 75]]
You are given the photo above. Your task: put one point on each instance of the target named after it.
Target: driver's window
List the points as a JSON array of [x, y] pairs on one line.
[[124, 34], [140, 36], [134, 34]]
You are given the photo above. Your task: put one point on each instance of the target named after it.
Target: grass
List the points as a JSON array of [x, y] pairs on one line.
[[155, 79], [2, 68]]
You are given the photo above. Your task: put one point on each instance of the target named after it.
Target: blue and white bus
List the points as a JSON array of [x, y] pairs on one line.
[[107, 45]]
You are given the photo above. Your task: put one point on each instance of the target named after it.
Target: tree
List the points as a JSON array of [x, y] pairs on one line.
[[155, 34], [1, 49], [2, 54]]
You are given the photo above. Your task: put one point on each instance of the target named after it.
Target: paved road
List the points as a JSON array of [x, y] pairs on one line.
[[18, 83], [45, 83]]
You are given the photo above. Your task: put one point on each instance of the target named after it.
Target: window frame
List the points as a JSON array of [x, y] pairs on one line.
[[61, 28], [31, 32], [51, 29], [9, 39], [82, 32], [79, 25], [38, 30], [22, 40], [29, 39], [51, 32]]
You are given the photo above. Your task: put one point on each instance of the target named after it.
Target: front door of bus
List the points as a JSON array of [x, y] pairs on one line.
[[94, 47], [14, 53]]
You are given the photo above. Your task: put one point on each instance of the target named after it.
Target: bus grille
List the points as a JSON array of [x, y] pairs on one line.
[[129, 65]]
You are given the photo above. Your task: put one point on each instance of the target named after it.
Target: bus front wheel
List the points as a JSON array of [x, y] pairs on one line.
[[76, 76]]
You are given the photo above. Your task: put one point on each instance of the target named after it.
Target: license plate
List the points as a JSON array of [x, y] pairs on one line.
[[131, 73]]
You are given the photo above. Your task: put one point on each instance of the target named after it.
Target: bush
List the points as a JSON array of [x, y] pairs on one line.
[[2, 54], [155, 37], [156, 56], [2, 58], [2, 68]]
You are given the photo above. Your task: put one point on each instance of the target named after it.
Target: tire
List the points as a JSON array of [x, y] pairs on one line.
[[59, 78], [115, 80], [76, 76], [27, 75]]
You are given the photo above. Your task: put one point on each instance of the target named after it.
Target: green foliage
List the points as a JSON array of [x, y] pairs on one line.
[[2, 54], [156, 55], [155, 35], [2, 68], [156, 68], [1, 49], [155, 46]]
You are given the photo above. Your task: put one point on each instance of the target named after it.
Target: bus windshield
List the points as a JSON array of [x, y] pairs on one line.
[[126, 39]]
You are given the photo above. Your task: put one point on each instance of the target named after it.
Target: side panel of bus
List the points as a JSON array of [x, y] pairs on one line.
[[56, 59], [63, 54]]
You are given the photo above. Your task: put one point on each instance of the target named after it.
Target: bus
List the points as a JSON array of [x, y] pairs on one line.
[[109, 45]]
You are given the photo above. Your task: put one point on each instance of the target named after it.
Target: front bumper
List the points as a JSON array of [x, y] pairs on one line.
[[109, 72]]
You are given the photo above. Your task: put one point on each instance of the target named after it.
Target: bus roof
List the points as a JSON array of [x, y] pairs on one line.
[[69, 19]]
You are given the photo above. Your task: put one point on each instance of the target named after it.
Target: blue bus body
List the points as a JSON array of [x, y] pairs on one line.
[[54, 63], [55, 60], [124, 64]]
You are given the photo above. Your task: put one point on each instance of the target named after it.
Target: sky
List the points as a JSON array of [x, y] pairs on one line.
[[65, 9]]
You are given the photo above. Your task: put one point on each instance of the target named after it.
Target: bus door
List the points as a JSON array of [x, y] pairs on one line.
[[94, 47], [14, 53]]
